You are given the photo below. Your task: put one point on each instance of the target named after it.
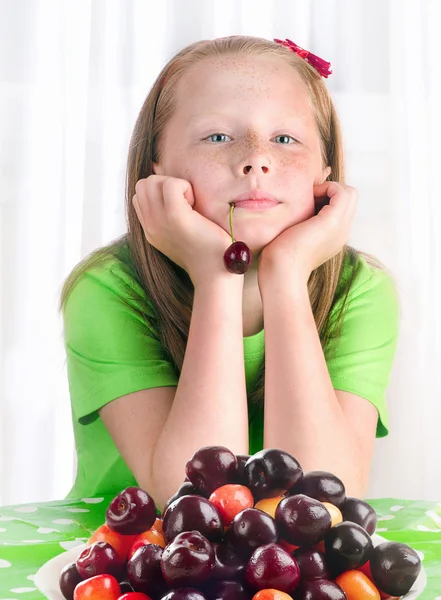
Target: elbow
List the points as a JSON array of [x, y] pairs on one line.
[[156, 491], [165, 480], [356, 482], [355, 489]]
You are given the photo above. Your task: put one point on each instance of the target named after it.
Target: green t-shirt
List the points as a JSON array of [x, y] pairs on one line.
[[112, 351]]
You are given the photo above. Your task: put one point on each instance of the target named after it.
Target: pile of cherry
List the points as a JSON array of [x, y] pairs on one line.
[[241, 528]]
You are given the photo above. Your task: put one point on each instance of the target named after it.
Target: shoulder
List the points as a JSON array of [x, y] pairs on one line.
[[364, 280], [362, 347], [366, 307], [107, 278]]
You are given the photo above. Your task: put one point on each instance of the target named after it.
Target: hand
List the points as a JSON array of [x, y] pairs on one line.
[[164, 206], [309, 244]]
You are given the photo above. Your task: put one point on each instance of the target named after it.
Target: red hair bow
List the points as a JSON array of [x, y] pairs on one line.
[[322, 66]]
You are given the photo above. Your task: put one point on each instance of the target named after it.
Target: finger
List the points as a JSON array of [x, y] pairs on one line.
[[320, 202], [327, 189], [149, 197], [347, 203], [337, 205], [353, 208], [175, 189]]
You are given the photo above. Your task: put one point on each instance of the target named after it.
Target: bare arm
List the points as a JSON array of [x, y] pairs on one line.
[[323, 428], [158, 430]]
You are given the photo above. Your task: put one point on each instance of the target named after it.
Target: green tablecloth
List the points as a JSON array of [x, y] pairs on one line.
[[30, 535]]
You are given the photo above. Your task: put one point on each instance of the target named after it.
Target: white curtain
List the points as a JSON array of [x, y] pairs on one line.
[[73, 76]]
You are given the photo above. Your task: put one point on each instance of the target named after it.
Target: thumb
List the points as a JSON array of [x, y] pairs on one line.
[[137, 208], [320, 189], [188, 192]]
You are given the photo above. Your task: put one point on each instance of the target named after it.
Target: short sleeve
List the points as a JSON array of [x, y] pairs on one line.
[[111, 346], [364, 351]]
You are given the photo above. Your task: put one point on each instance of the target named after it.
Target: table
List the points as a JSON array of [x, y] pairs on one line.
[[32, 534]]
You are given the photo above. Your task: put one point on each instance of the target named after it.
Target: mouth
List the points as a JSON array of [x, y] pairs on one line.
[[256, 204], [255, 200]]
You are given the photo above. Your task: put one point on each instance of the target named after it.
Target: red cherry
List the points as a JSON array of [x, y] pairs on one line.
[[237, 258], [230, 500], [104, 587], [134, 596]]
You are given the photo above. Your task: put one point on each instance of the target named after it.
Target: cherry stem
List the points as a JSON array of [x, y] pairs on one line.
[[231, 222]]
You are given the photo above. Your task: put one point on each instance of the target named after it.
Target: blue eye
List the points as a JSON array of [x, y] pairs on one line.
[[285, 138], [217, 135]]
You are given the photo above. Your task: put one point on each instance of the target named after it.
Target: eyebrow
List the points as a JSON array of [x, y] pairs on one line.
[[198, 117], [213, 115]]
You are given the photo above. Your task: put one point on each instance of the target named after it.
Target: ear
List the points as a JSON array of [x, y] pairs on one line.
[[325, 174], [157, 169]]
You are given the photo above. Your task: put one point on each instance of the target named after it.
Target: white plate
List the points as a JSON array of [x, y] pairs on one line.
[[48, 576]]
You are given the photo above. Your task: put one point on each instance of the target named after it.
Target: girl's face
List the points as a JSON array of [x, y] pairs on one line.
[[245, 124]]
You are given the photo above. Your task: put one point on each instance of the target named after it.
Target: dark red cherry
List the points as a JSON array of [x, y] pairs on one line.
[[302, 521], [98, 559], [69, 579], [186, 489], [228, 565], [395, 567], [320, 589], [321, 485], [227, 590], [359, 511], [347, 546], [144, 569], [131, 512], [210, 468], [312, 563], [189, 513], [188, 560], [240, 472], [184, 594], [271, 472], [237, 258], [250, 529], [272, 567]]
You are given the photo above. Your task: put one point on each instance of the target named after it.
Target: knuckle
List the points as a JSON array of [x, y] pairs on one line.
[[333, 221], [139, 185], [167, 183]]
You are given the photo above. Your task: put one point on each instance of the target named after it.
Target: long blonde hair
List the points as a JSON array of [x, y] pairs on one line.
[[167, 286]]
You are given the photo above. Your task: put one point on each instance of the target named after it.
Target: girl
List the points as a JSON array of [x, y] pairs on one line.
[[166, 350]]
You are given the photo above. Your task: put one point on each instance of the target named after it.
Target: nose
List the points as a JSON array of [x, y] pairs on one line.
[[259, 166], [254, 156], [255, 162]]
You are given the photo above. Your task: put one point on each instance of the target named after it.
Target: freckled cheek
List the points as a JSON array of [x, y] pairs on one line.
[[207, 178], [197, 165], [295, 179], [206, 169], [296, 172]]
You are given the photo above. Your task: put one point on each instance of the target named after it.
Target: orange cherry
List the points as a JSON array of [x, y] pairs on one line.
[[336, 515], [269, 505], [357, 586], [271, 594], [121, 543]]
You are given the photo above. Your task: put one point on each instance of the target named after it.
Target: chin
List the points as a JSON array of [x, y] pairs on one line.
[[257, 237], [256, 246]]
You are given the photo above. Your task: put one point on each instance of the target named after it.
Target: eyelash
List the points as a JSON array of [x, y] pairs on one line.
[[224, 134]]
